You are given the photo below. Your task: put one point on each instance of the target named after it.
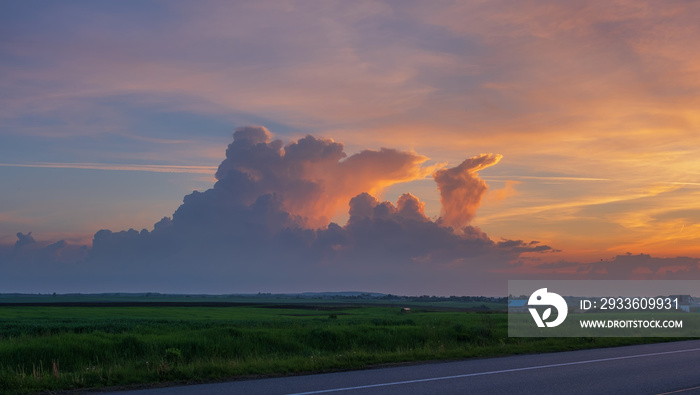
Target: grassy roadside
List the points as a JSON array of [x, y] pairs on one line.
[[62, 348]]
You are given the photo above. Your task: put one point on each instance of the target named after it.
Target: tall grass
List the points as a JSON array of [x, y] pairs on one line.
[[59, 348]]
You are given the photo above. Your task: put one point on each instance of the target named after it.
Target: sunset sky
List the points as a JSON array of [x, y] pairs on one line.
[[551, 139]]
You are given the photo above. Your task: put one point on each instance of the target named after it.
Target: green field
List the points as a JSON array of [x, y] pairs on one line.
[[59, 348]]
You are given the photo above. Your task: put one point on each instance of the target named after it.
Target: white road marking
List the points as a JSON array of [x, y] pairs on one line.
[[679, 391], [493, 372]]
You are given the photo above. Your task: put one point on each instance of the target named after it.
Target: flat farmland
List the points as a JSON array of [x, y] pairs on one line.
[[58, 347]]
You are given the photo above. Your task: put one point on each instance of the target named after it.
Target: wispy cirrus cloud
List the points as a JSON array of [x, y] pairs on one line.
[[118, 167]]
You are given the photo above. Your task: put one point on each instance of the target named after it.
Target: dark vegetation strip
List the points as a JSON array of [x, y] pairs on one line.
[[167, 304], [329, 306]]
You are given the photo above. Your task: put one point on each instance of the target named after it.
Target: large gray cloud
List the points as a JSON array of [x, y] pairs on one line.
[[263, 227]]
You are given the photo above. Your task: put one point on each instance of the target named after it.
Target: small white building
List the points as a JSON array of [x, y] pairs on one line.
[[686, 303]]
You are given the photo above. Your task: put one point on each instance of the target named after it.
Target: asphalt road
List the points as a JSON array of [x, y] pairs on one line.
[[664, 368]]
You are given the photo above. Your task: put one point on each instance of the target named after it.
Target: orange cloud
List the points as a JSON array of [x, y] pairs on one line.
[[313, 176], [461, 189], [506, 192]]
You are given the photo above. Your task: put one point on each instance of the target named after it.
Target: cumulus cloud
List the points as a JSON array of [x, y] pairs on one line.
[[461, 189], [313, 177], [265, 221], [264, 226], [402, 234]]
